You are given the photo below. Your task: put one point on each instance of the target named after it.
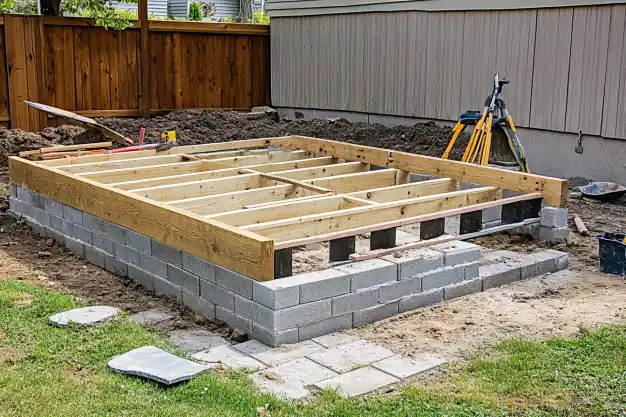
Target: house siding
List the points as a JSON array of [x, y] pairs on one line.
[[179, 9]]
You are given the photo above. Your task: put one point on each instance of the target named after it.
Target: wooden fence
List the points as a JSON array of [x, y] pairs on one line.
[[69, 63]]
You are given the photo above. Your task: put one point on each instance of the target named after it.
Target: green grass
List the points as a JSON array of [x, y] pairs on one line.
[[47, 371]]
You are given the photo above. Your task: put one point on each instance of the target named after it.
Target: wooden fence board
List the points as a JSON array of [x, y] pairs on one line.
[[4, 91]]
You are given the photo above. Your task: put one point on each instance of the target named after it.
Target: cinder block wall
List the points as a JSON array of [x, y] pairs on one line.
[[276, 312]]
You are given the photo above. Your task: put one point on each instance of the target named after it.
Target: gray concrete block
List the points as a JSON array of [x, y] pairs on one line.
[[61, 226], [233, 320], [93, 223], [443, 277], [552, 234], [184, 279], [463, 288], [56, 236], [38, 201], [13, 190], [453, 225], [255, 312], [29, 211], [370, 315], [274, 338], [94, 256], [491, 225], [233, 281], [198, 305], [39, 229], [399, 289], [217, 295], [75, 246], [138, 242], [166, 288], [324, 327], [73, 215], [114, 231], [538, 263], [421, 177], [152, 265], [115, 266], [561, 259], [369, 273], [416, 262], [17, 206], [198, 266], [24, 195], [167, 253], [421, 300], [472, 270], [464, 185], [41, 217], [143, 278], [352, 302], [302, 315], [492, 214], [82, 234], [458, 252], [553, 217], [276, 294], [320, 285], [103, 243], [498, 274], [53, 207], [126, 253]]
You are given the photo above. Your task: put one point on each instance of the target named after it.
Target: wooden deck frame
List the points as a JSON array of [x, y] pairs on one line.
[[223, 209]]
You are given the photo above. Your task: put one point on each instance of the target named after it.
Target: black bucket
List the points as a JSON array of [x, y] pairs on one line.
[[612, 252]]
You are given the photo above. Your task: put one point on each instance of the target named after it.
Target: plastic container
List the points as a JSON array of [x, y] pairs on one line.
[[612, 253]]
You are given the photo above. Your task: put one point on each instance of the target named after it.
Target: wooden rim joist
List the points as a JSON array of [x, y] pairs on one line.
[[245, 204]]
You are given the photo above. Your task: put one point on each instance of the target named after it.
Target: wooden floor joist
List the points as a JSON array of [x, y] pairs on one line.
[[236, 203]]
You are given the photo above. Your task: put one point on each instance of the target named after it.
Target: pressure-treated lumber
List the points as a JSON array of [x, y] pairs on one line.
[[40, 151], [126, 174], [244, 252], [404, 191], [319, 224], [400, 222], [229, 172], [239, 199], [554, 190]]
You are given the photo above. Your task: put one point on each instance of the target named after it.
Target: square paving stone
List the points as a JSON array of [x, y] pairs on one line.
[[192, 341], [357, 382], [290, 379], [156, 364], [228, 356], [344, 358], [335, 339], [286, 353], [86, 316], [251, 346], [401, 367]]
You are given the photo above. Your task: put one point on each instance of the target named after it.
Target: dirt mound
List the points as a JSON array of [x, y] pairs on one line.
[[16, 140], [208, 126]]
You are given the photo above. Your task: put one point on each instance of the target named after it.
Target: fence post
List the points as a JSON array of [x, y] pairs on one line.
[[144, 57]]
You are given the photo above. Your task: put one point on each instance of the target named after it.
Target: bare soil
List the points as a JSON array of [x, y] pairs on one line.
[[550, 305]]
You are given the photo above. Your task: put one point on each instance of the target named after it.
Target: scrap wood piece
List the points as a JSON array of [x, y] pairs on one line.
[[580, 225], [54, 149], [415, 245], [81, 121]]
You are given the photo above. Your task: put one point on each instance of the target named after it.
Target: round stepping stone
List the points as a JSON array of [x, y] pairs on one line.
[[86, 316], [156, 364]]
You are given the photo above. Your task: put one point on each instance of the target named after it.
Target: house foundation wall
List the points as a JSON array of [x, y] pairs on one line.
[[285, 310]]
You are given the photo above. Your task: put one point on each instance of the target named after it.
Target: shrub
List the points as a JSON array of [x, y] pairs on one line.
[[195, 12]]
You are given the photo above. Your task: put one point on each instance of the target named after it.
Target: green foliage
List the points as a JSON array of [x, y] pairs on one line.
[[226, 19], [105, 15], [195, 12], [260, 18], [18, 6], [208, 10]]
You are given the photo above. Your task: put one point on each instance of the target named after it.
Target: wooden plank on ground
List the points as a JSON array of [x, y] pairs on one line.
[[240, 251], [554, 190]]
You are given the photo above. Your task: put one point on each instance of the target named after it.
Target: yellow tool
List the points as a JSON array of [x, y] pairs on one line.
[[494, 133]]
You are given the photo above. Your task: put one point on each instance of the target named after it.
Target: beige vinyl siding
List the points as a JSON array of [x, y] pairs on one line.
[[436, 64]]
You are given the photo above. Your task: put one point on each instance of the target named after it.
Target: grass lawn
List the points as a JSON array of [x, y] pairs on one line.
[[46, 371]]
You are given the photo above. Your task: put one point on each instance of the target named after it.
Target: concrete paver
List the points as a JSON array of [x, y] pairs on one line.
[[192, 341], [287, 353], [405, 367], [86, 316], [335, 339], [358, 382], [228, 356], [156, 364], [344, 358], [290, 379]]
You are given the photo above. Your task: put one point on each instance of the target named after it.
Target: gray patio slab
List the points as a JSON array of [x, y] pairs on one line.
[[192, 341], [401, 367], [335, 339], [290, 379], [156, 364], [346, 357], [229, 357], [358, 382], [286, 353], [86, 316]]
